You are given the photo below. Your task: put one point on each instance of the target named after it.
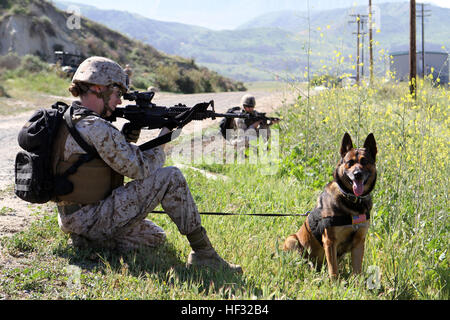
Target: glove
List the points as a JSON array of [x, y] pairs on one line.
[[131, 134]]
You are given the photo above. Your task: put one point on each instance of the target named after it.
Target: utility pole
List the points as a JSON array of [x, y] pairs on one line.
[[362, 47], [370, 43], [358, 22], [423, 14], [359, 19], [412, 48]]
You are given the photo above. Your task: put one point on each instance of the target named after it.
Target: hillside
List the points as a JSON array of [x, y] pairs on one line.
[[38, 28], [276, 43], [393, 23]]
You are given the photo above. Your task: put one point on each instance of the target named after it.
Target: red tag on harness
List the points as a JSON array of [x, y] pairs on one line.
[[359, 219]]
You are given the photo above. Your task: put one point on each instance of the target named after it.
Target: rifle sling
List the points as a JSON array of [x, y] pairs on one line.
[[172, 135], [91, 152], [74, 132]]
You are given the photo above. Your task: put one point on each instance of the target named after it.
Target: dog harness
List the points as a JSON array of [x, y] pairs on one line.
[[317, 224]]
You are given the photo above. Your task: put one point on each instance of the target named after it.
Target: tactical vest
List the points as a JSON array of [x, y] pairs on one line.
[[93, 181], [318, 224]]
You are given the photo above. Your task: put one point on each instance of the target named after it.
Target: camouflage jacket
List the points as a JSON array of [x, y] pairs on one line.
[[123, 157]]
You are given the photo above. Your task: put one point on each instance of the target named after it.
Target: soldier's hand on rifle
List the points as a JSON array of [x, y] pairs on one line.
[[274, 121], [255, 124], [131, 133]]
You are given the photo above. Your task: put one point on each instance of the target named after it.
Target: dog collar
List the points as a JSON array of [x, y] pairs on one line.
[[350, 196]]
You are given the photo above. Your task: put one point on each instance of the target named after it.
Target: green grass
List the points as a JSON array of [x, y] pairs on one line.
[[407, 242], [29, 91], [42, 82]]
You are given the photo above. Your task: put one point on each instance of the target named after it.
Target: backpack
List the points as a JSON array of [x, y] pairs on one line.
[[34, 178], [227, 123]]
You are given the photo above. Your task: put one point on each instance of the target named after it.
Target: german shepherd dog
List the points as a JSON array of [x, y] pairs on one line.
[[339, 222]]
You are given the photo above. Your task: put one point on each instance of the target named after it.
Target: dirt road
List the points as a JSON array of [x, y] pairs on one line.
[[15, 213]]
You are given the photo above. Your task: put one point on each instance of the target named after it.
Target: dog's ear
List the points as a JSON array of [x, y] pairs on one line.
[[371, 145], [346, 144]]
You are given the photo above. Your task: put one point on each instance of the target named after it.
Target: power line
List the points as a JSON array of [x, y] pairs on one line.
[[360, 20]]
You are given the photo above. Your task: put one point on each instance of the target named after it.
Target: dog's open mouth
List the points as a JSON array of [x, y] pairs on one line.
[[358, 187]]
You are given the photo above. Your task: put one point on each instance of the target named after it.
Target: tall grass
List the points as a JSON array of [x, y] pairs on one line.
[[407, 241], [409, 233]]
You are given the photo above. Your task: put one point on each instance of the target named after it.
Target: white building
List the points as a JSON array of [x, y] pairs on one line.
[[435, 62]]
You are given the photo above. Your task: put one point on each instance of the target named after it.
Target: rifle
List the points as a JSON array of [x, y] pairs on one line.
[[259, 116], [147, 115]]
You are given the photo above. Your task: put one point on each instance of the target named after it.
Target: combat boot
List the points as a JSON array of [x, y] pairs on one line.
[[79, 242], [203, 253]]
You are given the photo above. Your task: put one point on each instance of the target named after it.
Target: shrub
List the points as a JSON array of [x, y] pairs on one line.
[[325, 80], [33, 64], [96, 47], [10, 61], [166, 77], [141, 82], [40, 25], [3, 92], [186, 84], [20, 10]]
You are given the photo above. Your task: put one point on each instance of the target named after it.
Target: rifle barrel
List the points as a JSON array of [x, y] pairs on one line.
[[230, 115]]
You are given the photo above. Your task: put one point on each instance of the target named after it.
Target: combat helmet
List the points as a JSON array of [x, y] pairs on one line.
[[101, 71], [248, 101]]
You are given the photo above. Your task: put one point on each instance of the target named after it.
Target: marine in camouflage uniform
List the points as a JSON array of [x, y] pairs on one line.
[[249, 129], [101, 211], [129, 71]]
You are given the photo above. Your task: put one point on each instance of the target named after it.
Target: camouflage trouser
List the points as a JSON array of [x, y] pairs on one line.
[[119, 220]]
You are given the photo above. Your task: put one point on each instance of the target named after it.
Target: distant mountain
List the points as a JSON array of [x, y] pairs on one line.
[[276, 43], [393, 24]]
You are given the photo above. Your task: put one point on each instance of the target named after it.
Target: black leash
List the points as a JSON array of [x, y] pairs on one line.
[[247, 214]]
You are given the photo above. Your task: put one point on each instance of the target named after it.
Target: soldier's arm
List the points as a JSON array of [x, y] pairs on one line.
[[125, 158]]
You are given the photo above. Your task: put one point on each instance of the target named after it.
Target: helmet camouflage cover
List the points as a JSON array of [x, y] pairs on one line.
[[101, 71], [248, 101]]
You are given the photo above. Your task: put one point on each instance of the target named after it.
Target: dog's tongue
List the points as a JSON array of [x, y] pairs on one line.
[[358, 187]]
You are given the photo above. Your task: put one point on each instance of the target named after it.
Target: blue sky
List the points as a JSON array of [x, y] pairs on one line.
[[223, 14]]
